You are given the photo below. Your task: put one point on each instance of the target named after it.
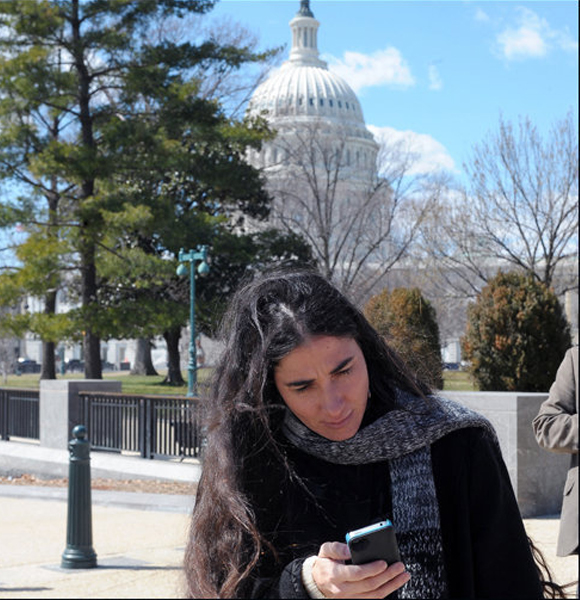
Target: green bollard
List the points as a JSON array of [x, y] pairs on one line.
[[79, 553]]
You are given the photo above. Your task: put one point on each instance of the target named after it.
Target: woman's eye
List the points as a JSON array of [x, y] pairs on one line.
[[345, 371], [302, 388]]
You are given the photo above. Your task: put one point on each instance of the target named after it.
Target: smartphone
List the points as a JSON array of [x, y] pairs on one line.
[[374, 542]]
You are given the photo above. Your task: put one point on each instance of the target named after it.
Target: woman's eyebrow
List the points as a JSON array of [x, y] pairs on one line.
[[338, 368], [341, 365]]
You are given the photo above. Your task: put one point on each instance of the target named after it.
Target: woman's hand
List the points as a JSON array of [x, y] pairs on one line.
[[337, 580]]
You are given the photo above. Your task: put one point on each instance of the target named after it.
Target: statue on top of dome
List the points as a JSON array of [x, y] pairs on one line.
[[305, 9]]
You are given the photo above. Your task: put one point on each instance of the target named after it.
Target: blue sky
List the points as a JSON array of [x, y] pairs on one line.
[[438, 73]]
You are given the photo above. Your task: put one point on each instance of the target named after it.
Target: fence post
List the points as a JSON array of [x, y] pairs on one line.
[[150, 426], [4, 416], [79, 553]]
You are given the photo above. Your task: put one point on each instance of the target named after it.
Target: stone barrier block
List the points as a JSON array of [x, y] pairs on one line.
[[537, 475], [60, 408]]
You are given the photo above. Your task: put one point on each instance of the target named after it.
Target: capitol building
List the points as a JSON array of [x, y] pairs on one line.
[[321, 165], [303, 95]]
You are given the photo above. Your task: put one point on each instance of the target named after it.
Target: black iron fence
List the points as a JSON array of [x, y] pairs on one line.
[[153, 426], [19, 413]]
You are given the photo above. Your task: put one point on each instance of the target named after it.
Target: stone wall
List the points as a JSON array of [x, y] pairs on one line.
[[60, 408], [537, 475]]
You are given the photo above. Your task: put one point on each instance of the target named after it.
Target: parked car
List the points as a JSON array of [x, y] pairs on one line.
[[74, 365], [26, 365]]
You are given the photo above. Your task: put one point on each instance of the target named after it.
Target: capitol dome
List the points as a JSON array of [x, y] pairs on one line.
[[303, 91]]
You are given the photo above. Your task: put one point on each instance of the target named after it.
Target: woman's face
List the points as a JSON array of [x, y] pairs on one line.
[[325, 383]]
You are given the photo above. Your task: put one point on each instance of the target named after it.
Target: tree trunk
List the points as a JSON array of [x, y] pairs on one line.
[[48, 348], [173, 377], [92, 356], [91, 342], [143, 364], [48, 370]]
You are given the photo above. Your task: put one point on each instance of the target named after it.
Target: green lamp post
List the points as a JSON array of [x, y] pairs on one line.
[[199, 254]]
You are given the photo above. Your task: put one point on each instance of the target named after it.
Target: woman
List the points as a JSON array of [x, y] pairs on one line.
[[316, 429]]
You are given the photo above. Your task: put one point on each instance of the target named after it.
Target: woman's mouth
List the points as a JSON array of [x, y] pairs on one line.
[[340, 423]]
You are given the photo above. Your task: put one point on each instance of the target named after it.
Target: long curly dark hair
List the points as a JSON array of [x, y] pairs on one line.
[[267, 318]]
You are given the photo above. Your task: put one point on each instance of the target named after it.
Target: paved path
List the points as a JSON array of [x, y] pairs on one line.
[[139, 550], [139, 538], [544, 533]]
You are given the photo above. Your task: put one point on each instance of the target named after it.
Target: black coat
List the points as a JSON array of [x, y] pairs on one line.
[[485, 547]]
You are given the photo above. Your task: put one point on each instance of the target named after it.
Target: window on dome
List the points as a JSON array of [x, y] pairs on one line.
[[340, 104], [346, 105], [321, 102], [311, 101], [330, 103], [299, 101]]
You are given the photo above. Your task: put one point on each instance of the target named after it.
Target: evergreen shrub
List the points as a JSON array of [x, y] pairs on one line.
[[516, 335], [408, 322]]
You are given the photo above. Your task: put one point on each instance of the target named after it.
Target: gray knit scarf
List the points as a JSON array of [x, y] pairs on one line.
[[403, 436]]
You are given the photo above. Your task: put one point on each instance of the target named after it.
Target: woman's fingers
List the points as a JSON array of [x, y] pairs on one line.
[[334, 550], [372, 580], [390, 586]]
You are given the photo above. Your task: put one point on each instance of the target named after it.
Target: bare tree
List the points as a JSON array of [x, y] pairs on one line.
[[358, 224], [519, 210]]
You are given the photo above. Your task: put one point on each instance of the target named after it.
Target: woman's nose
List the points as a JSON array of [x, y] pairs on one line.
[[333, 400]]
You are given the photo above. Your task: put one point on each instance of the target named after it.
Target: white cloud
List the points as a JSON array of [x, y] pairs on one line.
[[435, 81], [532, 38], [481, 15], [383, 67], [430, 156]]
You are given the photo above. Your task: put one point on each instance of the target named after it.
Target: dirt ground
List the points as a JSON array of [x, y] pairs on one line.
[[121, 485]]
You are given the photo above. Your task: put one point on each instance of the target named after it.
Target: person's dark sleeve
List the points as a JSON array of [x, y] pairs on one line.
[[503, 564], [288, 585]]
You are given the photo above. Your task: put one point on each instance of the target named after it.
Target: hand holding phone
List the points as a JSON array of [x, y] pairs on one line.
[[374, 542]]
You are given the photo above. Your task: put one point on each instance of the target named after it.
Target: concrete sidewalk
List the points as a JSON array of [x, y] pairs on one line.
[[139, 550], [28, 457], [139, 538]]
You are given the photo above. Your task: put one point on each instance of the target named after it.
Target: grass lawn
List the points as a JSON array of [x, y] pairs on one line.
[[130, 384], [457, 381], [152, 385]]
